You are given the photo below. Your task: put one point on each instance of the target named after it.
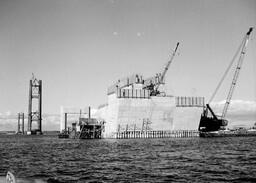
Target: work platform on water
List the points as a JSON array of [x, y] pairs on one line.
[[85, 128], [87, 131]]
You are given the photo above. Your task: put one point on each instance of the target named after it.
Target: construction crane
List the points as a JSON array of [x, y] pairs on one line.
[[214, 123], [167, 67], [153, 86]]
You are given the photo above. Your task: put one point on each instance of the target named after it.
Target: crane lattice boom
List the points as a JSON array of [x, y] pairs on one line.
[[235, 77], [168, 64], [166, 68]]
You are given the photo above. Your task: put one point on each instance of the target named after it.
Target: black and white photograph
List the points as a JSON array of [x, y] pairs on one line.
[[127, 91]]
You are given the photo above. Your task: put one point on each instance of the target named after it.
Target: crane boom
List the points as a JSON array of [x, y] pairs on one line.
[[166, 68], [235, 77], [168, 64], [227, 70]]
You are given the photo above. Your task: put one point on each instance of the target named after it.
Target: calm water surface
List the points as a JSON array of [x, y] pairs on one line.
[[130, 160]]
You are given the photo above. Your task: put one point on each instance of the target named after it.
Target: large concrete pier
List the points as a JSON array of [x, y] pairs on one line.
[[132, 109]]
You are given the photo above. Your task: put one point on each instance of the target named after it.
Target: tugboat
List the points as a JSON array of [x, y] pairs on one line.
[[211, 125]]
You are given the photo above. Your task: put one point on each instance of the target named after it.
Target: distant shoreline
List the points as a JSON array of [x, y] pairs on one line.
[[44, 132]]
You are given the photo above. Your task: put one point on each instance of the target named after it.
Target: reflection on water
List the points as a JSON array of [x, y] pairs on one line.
[[129, 160]]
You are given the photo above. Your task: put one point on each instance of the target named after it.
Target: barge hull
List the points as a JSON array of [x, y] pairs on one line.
[[227, 134]]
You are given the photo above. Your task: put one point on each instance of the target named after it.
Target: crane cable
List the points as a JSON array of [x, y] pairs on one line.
[[227, 70]]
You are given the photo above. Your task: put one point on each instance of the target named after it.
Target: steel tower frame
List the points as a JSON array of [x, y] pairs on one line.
[[35, 93]]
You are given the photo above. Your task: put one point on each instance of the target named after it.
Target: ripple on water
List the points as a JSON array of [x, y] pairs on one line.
[[133, 160]]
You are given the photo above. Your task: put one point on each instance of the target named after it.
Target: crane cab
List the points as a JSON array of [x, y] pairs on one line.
[[210, 122]]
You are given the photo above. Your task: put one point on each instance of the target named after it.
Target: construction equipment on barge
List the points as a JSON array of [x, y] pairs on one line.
[[214, 126], [85, 128]]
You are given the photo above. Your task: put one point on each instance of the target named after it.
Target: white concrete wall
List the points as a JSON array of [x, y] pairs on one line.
[[132, 111], [187, 118], [161, 111], [112, 116]]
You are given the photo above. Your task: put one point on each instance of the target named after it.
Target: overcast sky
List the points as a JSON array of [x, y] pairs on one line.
[[80, 47]]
